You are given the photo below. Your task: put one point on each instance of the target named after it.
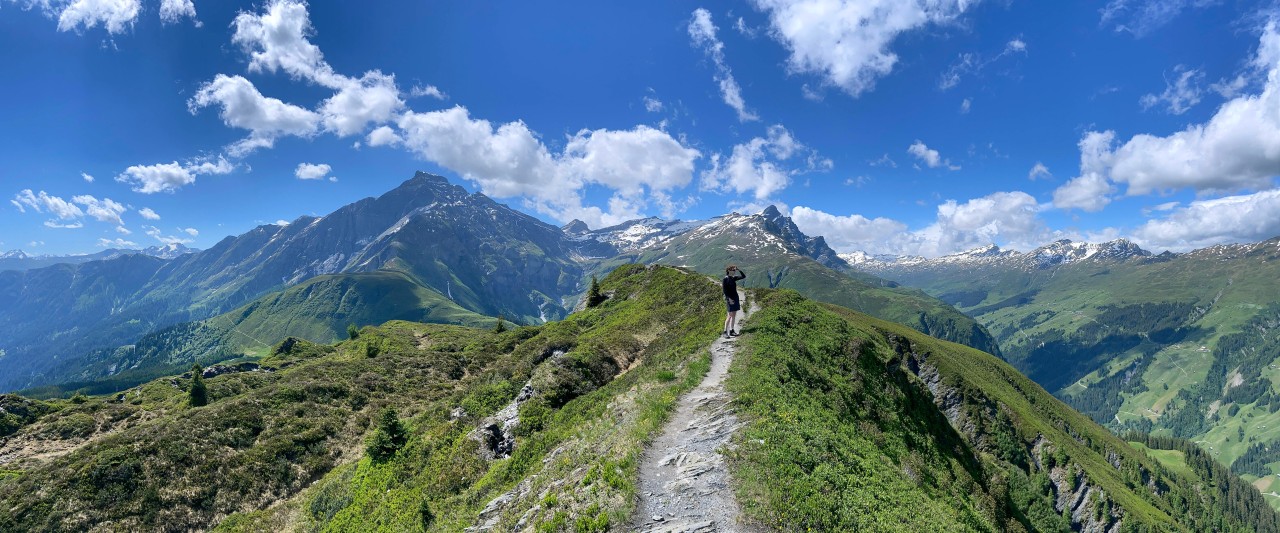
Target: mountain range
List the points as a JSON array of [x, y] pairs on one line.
[[862, 406], [848, 423], [440, 253], [20, 260]]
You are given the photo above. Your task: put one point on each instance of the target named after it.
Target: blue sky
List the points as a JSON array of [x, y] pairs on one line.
[[905, 127]]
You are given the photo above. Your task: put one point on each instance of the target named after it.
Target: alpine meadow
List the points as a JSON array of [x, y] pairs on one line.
[[775, 265]]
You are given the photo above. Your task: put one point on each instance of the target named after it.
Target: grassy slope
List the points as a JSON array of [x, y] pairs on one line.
[[318, 310], [1230, 288], [151, 462], [841, 435]]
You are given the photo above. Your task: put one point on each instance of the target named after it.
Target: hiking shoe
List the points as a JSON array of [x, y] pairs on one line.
[[732, 334]]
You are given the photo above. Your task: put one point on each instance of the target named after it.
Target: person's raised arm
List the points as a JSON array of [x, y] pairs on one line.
[[741, 274]]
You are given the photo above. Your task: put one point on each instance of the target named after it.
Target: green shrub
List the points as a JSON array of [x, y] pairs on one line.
[[352, 331], [534, 415], [390, 436], [199, 394], [74, 425], [594, 296], [592, 521]]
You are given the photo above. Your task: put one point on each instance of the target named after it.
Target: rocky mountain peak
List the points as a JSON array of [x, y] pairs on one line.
[[575, 227], [794, 240]]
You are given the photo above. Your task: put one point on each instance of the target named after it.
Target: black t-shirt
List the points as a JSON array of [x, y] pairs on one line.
[[730, 285]]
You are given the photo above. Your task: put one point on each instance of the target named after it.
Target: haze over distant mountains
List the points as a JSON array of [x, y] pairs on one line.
[[20, 260]]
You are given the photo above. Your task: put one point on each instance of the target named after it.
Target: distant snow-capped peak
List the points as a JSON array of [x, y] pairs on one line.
[[1053, 254], [633, 235]]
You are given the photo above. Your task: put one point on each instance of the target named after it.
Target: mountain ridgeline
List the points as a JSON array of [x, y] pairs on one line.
[[850, 424], [425, 251], [1180, 345]]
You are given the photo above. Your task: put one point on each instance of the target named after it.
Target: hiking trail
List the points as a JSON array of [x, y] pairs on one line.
[[684, 480]]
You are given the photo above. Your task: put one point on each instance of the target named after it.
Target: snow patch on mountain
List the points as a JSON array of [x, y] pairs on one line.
[[633, 235], [1054, 254]]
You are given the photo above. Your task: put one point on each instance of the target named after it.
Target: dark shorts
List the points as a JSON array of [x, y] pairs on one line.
[[731, 305]]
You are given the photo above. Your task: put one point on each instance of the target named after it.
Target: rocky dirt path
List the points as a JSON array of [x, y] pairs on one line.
[[684, 481]]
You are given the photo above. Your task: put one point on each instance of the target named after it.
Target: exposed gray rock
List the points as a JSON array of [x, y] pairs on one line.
[[495, 433]]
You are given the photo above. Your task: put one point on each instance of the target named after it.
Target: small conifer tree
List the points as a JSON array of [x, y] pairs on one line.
[[199, 394], [352, 331], [594, 296], [501, 326], [390, 436]]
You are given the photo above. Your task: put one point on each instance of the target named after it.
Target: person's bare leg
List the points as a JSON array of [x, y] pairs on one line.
[[728, 322]]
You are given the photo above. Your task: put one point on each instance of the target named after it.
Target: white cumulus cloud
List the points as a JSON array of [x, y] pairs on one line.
[[169, 177], [430, 90], [104, 210], [277, 40], [308, 171], [510, 161], [172, 11], [242, 106], [1090, 191], [848, 232], [759, 166], [847, 42], [930, 157], [148, 214], [45, 203], [1241, 218], [383, 136], [1006, 218], [371, 99], [114, 15], [67, 214], [1237, 149]]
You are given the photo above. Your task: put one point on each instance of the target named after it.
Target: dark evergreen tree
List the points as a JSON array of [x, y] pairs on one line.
[[352, 331], [390, 436], [199, 394], [594, 296], [501, 325]]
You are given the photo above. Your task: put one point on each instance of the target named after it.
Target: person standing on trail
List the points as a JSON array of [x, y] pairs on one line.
[[730, 285]]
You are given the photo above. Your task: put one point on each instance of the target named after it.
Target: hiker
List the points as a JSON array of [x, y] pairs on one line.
[[730, 285]]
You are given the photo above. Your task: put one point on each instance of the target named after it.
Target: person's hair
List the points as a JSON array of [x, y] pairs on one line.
[[728, 268]]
